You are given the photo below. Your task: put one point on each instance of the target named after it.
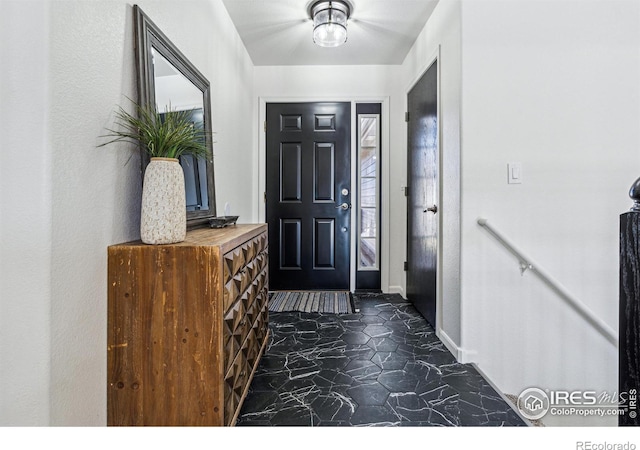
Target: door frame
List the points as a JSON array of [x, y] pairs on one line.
[[435, 56], [261, 170]]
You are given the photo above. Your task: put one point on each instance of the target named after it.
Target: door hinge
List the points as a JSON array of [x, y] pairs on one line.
[[406, 266], [406, 191], [406, 117], [265, 197], [265, 126]]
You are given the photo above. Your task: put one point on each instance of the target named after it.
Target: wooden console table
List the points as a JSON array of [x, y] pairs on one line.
[[187, 325]]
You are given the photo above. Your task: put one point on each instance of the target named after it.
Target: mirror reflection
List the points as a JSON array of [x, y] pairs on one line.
[[174, 92]]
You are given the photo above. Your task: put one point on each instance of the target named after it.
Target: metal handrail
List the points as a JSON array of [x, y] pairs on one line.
[[527, 264]]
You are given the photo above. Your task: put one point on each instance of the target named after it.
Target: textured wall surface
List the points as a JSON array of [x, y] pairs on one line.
[[25, 215]]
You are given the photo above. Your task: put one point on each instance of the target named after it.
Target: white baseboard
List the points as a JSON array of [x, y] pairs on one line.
[[448, 342], [468, 356], [397, 290], [462, 356], [502, 394]]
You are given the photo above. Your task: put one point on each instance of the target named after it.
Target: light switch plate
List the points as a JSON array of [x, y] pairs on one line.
[[514, 173]]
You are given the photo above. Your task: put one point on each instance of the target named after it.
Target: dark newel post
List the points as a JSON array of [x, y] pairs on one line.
[[629, 346]]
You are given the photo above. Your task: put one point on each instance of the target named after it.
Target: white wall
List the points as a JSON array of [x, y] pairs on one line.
[[25, 215], [555, 86], [348, 83], [80, 198]]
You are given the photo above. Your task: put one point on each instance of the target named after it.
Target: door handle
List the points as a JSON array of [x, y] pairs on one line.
[[433, 209], [344, 206]]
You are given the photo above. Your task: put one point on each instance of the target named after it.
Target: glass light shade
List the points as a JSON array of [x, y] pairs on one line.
[[330, 23]]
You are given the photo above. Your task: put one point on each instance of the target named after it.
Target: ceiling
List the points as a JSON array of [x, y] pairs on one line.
[[279, 32]]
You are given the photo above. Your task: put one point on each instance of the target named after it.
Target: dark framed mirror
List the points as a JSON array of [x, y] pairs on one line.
[[167, 79]]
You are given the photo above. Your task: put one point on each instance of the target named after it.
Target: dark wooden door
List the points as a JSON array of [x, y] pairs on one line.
[[308, 179], [422, 181]]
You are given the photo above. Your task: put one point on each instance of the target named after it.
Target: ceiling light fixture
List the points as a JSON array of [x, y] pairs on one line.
[[330, 22]]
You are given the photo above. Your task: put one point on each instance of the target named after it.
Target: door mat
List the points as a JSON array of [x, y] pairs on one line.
[[332, 302]]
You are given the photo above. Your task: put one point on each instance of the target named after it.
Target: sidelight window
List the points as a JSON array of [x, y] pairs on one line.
[[368, 191]]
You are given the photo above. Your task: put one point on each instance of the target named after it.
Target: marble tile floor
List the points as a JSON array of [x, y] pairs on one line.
[[382, 366]]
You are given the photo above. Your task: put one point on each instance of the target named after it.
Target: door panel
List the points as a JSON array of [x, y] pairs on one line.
[[290, 243], [324, 244], [290, 172], [323, 173], [422, 175], [308, 165]]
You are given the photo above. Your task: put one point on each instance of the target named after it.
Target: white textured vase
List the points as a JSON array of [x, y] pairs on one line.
[[163, 218]]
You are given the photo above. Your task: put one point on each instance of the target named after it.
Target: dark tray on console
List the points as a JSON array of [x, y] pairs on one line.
[[223, 221]]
